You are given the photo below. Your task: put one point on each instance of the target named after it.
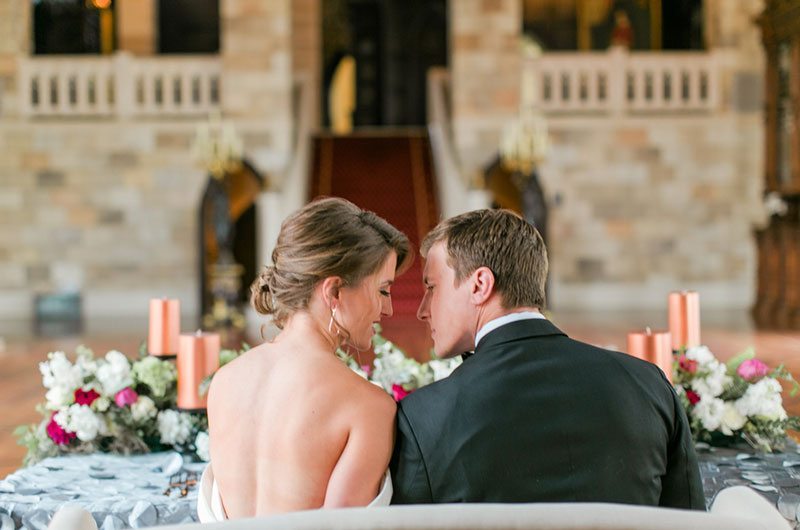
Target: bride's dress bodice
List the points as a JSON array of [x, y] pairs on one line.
[[209, 501]]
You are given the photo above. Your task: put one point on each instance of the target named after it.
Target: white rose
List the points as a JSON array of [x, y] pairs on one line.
[[101, 404], [84, 422], [732, 420], [115, 373], [201, 446], [143, 409], [709, 411], [173, 427]]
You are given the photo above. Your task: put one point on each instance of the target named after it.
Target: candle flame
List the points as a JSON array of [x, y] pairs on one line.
[[648, 330], [199, 332]]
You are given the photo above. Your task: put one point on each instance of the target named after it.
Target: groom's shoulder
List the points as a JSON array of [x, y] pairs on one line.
[[432, 398]]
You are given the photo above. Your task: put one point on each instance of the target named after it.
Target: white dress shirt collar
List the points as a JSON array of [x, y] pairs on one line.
[[503, 320]]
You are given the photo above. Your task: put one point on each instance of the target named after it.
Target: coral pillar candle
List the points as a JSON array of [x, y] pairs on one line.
[[684, 319], [655, 347], [165, 325], [198, 357]]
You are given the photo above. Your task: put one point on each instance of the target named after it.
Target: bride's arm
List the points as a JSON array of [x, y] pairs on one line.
[[358, 473]]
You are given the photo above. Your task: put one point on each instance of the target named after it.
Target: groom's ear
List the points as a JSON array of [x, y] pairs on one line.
[[482, 285]]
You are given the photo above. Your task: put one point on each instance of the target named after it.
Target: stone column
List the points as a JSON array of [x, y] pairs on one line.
[[307, 47], [136, 26], [15, 41], [256, 79], [485, 68]]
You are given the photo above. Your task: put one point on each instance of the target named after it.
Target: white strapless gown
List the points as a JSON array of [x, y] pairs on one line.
[[209, 501]]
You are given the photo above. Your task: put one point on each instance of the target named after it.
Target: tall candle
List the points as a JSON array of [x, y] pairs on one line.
[[655, 347], [684, 319], [198, 357], [165, 325]]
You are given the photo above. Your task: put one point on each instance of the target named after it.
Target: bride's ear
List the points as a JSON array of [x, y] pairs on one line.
[[330, 289]]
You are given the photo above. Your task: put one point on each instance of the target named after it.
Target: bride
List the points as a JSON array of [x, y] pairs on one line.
[[291, 427]]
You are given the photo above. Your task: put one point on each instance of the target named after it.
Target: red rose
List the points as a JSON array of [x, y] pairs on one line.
[[83, 397], [398, 392], [687, 365], [693, 396], [58, 434]]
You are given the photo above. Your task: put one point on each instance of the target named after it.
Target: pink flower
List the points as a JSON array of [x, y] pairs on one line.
[[57, 433], [693, 397], [398, 392], [367, 369], [126, 396], [84, 397], [752, 369], [687, 365]]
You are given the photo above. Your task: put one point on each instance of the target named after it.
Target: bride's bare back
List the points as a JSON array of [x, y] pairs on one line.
[[293, 428]]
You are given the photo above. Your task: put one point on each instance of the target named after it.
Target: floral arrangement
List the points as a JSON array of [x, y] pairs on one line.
[[733, 401], [110, 404], [394, 372], [116, 405]]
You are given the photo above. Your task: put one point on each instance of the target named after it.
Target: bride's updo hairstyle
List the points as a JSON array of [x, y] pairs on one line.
[[327, 237]]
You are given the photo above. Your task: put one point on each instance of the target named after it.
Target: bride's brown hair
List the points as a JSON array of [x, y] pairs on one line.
[[327, 237]]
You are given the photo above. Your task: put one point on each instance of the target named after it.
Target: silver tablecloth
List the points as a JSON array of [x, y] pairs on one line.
[[120, 492]]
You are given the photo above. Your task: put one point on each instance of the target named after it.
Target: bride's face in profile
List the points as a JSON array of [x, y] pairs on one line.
[[362, 305]]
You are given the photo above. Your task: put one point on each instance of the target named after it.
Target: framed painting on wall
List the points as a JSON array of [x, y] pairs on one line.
[[632, 24]]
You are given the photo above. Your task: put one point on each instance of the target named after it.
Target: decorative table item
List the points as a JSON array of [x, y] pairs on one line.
[[652, 346], [684, 319], [165, 326], [198, 358]]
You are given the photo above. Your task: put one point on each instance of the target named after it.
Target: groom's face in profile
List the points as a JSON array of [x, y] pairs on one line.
[[446, 307]]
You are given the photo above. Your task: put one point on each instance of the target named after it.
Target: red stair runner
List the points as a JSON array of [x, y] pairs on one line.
[[390, 174]]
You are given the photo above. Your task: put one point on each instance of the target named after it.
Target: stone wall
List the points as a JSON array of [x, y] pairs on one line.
[[639, 205], [109, 206]]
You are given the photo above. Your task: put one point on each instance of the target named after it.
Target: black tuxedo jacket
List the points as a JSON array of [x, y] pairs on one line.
[[534, 416]]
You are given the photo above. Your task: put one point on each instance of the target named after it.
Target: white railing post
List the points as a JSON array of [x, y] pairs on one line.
[[123, 85], [617, 81]]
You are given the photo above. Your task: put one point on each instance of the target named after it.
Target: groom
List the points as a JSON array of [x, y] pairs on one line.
[[532, 416]]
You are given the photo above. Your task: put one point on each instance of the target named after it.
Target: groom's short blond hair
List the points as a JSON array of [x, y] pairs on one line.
[[504, 242]]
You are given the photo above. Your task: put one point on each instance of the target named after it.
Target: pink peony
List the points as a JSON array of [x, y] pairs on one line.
[[398, 392], [694, 397], [687, 365], [58, 434], [126, 396], [752, 369], [84, 397]]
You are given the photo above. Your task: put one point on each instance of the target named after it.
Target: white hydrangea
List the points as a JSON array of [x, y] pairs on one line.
[[115, 373], [174, 427], [762, 399], [705, 359], [59, 396], [143, 409], [714, 383], [61, 378], [709, 411], [82, 420], [201, 446], [392, 367], [732, 419], [442, 368]]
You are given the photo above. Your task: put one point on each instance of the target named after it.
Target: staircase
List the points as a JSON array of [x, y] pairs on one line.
[[391, 174]]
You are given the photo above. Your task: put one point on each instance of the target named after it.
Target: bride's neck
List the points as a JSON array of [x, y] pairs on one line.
[[308, 329]]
